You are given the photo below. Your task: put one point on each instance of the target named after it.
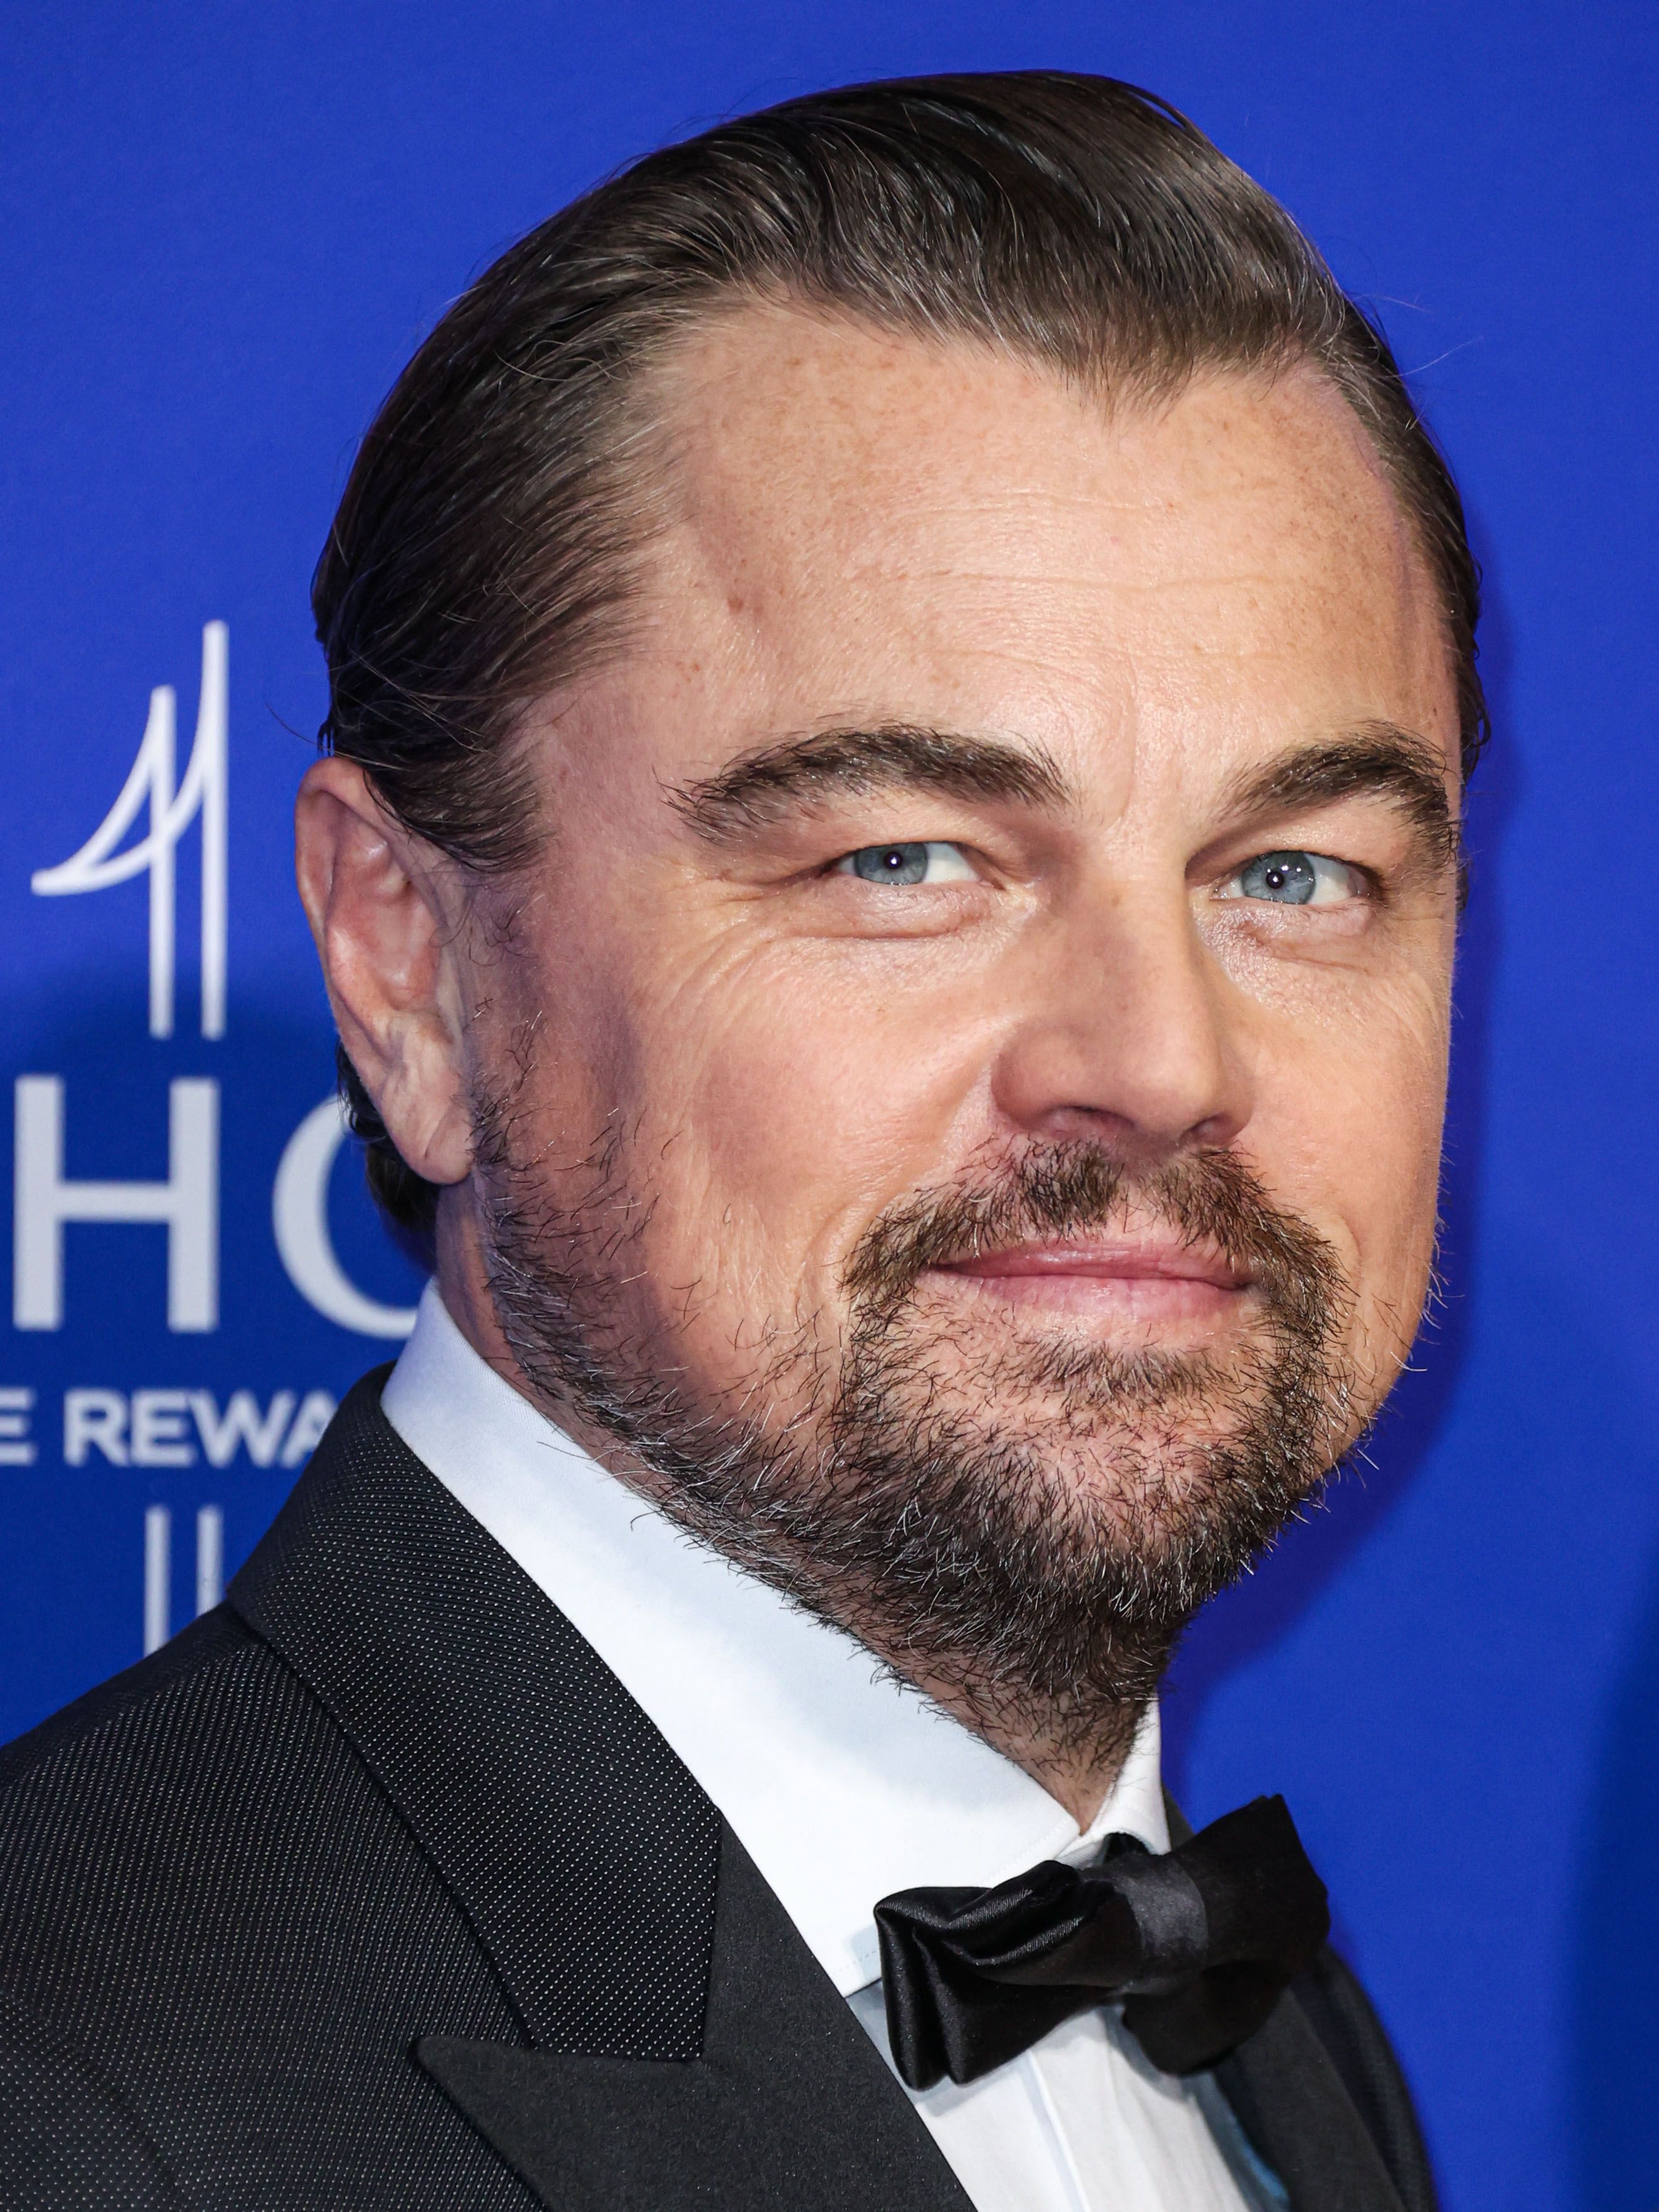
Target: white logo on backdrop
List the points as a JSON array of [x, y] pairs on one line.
[[186, 1203], [155, 808], [152, 782]]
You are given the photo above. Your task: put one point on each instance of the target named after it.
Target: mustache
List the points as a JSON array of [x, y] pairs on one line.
[[1208, 1197]]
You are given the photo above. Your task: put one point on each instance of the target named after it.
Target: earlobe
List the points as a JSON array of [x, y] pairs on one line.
[[373, 894]]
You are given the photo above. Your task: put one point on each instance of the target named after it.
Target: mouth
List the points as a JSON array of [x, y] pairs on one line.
[[1151, 1279]]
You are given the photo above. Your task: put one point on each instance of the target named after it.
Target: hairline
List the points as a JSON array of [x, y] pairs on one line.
[[1128, 386]]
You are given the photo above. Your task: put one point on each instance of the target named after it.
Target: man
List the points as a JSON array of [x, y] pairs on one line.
[[887, 870]]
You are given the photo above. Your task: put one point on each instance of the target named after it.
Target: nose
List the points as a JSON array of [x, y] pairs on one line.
[[1126, 1032]]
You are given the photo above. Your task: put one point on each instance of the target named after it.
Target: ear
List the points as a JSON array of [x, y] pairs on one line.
[[374, 895]]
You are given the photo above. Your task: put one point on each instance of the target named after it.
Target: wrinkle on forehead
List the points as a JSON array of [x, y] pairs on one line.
[[856, 520]]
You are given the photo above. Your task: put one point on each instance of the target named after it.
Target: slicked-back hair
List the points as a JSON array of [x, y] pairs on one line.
[[490, 539]]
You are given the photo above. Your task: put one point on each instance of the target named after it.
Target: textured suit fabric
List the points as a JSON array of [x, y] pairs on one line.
[[375, 1889], [206, 1899], [776, 2053]]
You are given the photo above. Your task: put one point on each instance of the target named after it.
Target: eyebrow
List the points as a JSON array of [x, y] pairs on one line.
[[765, 786], [1376, 759]]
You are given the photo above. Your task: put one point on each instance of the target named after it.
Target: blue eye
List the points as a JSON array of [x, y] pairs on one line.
[[1288, 877], [1294, 880], [907, 864]]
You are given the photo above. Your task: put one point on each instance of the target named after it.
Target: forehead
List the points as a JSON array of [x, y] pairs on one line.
[[862, 524]]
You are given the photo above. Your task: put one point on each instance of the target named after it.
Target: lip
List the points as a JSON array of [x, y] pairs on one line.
[[1121, 1285], [1104, 1259]]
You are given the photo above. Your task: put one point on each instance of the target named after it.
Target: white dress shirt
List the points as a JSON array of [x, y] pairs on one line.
[[841, 1784]]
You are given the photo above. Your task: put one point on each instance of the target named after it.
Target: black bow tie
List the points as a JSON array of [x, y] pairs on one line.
[[1198, 1942]]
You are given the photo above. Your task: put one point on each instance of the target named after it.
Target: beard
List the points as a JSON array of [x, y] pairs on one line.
[[1022, 1529]]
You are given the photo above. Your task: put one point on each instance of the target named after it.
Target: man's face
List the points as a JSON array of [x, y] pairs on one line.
[[994, 939]]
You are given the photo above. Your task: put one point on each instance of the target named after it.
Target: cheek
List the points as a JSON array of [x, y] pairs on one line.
[[1348, 1122], [788, 1099]]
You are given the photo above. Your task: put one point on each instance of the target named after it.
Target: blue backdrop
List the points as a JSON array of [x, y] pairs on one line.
[[224, 229]]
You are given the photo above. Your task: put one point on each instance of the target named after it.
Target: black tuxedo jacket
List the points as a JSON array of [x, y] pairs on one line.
[[375, 1888]]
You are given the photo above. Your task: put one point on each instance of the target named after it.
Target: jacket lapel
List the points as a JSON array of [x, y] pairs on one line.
[[581, 1849], [1288, 2095], [1293, 2103], [787, 2104], [671, 2055]]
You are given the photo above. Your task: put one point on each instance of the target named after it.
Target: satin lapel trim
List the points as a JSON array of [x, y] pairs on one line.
[[789, 2105]]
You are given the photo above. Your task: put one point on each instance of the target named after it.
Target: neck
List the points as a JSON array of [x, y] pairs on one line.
[[1078, 1775]]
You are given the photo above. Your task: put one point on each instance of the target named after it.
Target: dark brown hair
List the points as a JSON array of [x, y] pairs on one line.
[[487, 546]]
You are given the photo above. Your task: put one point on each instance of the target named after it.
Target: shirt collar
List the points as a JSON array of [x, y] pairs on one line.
[[841, 1784]]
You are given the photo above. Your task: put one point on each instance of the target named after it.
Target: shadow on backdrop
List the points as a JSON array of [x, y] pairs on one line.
[[1616, 2031]]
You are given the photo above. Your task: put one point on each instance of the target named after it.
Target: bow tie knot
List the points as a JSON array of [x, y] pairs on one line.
[[1196, 1943]]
